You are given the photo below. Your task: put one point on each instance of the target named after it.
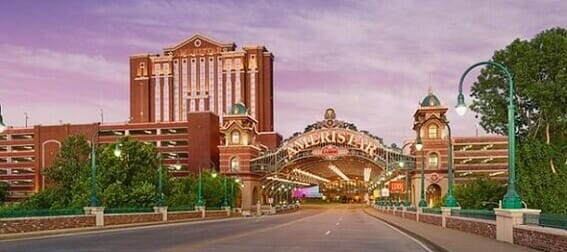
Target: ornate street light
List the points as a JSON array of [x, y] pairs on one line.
[[117, 152], [419, 147], [200, 185], [511, 199], [401, 164]]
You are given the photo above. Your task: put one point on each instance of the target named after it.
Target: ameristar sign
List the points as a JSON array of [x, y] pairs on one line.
[[343, 137]]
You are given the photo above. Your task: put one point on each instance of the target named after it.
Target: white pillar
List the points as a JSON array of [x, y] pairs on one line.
[[98, 212], [506, 219], [163, 211]]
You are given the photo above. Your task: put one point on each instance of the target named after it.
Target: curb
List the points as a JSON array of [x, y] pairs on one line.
[[433, 246]]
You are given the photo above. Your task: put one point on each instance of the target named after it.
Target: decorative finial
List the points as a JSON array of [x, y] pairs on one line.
[[430, 90], [330, 114]]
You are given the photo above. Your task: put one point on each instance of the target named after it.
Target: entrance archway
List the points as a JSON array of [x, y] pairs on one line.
[[333, 158], [433, 195]]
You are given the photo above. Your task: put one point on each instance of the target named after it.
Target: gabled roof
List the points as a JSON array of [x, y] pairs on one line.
[[201, 37]]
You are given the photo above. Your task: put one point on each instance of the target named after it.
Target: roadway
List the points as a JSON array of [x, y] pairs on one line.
[[338, 228]]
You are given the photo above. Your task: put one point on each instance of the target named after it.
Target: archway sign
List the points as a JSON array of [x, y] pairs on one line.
[[328, 151]]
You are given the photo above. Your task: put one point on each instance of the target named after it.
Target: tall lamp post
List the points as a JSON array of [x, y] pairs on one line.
[[511, 198], [117, 152], [419, 147], [200, 186], [401, 164], [450, 201], [2, 125]]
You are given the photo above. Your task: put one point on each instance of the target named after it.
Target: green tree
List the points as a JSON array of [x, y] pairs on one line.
[[540, 76], [481, 193], [3, 191]]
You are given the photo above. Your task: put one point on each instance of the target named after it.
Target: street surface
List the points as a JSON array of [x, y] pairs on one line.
[[337, 228]]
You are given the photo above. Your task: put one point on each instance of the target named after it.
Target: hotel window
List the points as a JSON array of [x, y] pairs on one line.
[[235, 137], [234, 165], [432, 130], [433, 160], [141, 69], [166, 68], [157, 69]]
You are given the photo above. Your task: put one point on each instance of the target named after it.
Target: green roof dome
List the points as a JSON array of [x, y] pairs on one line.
[[430, 100], [238, 109]]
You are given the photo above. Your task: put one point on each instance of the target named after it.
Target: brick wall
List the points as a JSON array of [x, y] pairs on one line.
[[183, 215], [409, 215], [545, 239], [485, 228], [118, 219], [31, 224], [430, 219], [215, 214]]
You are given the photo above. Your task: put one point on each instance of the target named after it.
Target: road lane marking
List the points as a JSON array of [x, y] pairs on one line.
[[328, 232], [404, 234], [337, 224]]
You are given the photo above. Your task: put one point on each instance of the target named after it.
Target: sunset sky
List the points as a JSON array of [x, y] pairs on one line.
[[370, 60]]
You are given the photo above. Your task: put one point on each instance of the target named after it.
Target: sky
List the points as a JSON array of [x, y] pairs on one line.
[[372, 61]]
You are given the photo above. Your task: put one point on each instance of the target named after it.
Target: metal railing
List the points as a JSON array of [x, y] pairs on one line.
[[431, 210], [129, 210], [411, 209], [39, 212], [546, 220], [180, 208], [474, 213]]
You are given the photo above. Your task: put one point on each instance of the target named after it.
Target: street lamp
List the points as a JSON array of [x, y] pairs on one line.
[[419, 147], [200, 186], [401, 164], [2, 125], [511, 198], [450, 201], [117, 152]]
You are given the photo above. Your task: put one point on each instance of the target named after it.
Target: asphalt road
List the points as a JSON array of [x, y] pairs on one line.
[[318, 229]]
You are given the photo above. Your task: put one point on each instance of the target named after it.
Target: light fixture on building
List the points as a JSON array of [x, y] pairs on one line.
[[311, 175], [336, 170]]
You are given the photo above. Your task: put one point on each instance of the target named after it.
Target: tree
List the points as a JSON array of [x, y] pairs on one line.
[[3, 191], [481, 193], [539, 70]]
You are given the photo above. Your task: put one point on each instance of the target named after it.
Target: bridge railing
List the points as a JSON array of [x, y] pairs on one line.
[[474, 213], [546, 220]]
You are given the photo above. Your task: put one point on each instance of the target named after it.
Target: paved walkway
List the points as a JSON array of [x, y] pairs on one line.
[[447, 239]]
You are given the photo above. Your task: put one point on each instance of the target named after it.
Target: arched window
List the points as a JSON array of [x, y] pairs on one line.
[[433, 160], [234, 165], [432, 130], [235, 137]]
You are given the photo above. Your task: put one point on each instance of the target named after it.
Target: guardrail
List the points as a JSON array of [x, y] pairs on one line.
[[432, 210], [474, 213], [129, 210], [39, 212], [546, 220]]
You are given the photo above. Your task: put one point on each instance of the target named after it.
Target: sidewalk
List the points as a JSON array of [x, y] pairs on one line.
[[445, 238]]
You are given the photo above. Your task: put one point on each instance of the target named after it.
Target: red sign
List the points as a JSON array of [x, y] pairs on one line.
[[330, 151], [397, 186]]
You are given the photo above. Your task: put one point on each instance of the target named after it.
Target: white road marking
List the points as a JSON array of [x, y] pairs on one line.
[[328, 232], [406, 235], [337, 223]]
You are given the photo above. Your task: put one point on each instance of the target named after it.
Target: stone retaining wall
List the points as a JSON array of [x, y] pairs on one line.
[[410, 215], [32, 224], [545, 239], [430, 219], [183, 215], [118, 219], [485, 228]]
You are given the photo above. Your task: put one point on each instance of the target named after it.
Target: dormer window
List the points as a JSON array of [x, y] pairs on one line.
[[235, 137]]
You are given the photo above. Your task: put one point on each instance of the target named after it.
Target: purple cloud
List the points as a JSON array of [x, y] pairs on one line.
[[371, 60]]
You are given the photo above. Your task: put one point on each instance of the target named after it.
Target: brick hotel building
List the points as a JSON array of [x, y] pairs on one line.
[[177, 103]]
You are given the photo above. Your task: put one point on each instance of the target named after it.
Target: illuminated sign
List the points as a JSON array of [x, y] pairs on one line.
[[351, 139], [396, 186]]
